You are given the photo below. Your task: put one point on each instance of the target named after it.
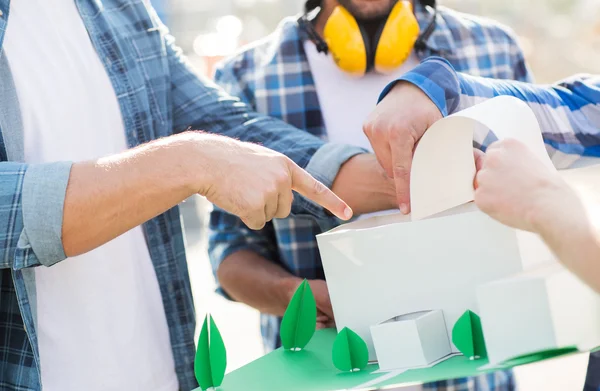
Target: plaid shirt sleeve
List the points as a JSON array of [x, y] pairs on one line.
[[31, 209], [227, 233], [200, 104], [568, 112], [518, 65]]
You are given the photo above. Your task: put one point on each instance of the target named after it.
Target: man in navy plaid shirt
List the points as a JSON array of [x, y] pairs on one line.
[[80, 83], [286, 77]]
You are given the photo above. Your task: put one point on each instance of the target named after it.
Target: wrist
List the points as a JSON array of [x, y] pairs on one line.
[[175, 158], [196, 160], [551, 206], [437, 79]]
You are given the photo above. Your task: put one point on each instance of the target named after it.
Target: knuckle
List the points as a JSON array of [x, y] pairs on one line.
[[270, 191], [256, 204], [319, 188], [401, 172], [284, 212], [282, 178], [368, 127], [402, 133], [254, 223]]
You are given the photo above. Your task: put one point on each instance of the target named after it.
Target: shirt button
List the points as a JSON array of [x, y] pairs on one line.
[[1, 13]]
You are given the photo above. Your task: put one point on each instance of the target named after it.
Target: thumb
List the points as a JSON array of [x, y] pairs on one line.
[[402, 155], [479, 156]]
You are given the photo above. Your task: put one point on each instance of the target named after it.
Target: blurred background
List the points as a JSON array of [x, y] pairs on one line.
[[563, 33], [559, 37]]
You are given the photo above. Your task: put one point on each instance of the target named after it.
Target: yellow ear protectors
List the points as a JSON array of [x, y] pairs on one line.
[[355, 52], [350, 46]]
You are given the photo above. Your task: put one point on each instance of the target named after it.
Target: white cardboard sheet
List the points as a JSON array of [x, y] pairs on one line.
[[443, 166], [387, 266]]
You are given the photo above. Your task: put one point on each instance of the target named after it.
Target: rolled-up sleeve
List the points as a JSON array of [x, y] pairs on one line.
[[31, 207], [44, 190]]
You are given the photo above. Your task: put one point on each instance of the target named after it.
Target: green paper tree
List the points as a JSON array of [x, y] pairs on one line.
[[211, 356], [467, 336], [350, 352], [300, 319]]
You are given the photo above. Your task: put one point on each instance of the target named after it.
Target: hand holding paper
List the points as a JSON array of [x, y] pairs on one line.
[[406, 115], [443, 167], [394, 128], [515, 187]]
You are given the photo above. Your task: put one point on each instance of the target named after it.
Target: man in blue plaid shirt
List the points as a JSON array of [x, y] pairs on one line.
[[285, 76], [94, 158]]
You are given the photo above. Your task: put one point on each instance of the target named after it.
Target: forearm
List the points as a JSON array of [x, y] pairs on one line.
[[200, 104], [564, 224], [365, 187], [251, 279], [111, 195]]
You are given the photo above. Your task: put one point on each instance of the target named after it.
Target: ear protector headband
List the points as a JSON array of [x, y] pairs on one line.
[[355, 52]]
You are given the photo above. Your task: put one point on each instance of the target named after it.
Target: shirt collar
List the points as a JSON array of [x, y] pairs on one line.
[[441, 40]]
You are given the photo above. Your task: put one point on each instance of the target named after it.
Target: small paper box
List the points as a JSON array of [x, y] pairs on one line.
[[411, 340], [436, 258], [544, 308]]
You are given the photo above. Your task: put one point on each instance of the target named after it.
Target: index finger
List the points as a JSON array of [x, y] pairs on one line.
[[314, 190], [402, 154]]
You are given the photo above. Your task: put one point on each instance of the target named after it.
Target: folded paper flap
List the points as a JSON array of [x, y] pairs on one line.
[[509, 117], [443, 166], [409, 316]]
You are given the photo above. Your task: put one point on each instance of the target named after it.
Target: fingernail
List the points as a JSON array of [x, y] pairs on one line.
[[404, 209], [347, 213]]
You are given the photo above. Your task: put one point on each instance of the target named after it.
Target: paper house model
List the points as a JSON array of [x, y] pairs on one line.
[[544, 308], [388, 266], [411, 340]]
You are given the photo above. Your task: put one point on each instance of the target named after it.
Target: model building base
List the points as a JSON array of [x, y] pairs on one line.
[[312, 369]]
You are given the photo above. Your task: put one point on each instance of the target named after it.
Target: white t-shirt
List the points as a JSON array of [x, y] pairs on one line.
[[101, 322], [346, 101]]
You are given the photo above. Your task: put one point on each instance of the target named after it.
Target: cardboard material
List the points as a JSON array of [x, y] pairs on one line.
[[376, 273], [312, 369], [544, 308], [300, 319], [411, 340], [349, 352], [443, 166], [384, 266]]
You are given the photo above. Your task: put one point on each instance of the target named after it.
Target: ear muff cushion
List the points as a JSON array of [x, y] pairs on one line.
[[345, 41], [375, 44], [397, 38]]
